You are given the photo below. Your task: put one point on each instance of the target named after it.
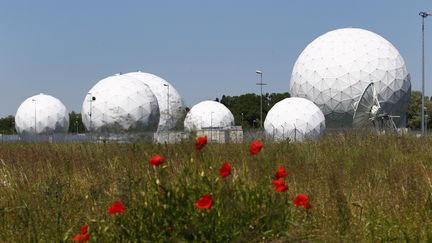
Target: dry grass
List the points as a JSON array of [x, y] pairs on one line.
[[362, 188]]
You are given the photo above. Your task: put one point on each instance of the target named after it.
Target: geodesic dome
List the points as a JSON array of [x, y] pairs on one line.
[[335, 68], [41, 114], [172, 118], [120, 103], [294, 118], [208, 114]]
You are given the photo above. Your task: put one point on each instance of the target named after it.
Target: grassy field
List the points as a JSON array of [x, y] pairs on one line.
[[361, 188]]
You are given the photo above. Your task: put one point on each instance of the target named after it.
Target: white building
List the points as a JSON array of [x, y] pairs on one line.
[[120, 103], [208, 114], [335, 68], [171, 106], [295, 119], [41, 114]]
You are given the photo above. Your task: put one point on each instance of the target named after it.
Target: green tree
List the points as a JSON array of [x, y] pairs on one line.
[[75, 121], [414, 111], [7, 125], [246, 107]]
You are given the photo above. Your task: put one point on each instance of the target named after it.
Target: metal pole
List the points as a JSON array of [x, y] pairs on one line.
[[273, 134], [168, 112], [35, 131], [90, 114], [423, 15], [211, 126], [426, 120], [423, 79], [169, 120], [261, 119], [283, 132], [261, 103]]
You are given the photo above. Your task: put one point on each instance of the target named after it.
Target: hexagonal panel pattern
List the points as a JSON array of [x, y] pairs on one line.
[[335, 68], [208, 114], [120, 103], [296, 119], [41, 114], [167, 97]]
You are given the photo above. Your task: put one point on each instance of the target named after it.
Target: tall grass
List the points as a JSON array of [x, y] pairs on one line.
[[362, 188]]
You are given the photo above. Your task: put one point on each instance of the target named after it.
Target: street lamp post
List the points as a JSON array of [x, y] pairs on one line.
[[261, 104], [35, 123], [426, 120], [283, 132], [273, 133], [423, 15], [92, 98], [211, 126], [168, 112]]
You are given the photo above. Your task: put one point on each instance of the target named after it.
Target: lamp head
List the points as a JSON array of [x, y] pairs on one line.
[[424, 14]]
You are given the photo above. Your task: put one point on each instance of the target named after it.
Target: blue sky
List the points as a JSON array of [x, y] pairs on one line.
[[204, 48]]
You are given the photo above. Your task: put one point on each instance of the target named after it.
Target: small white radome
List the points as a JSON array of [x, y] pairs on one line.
[[294, 118], [41, 114], [171, 107], [208, 114], [120, 103]]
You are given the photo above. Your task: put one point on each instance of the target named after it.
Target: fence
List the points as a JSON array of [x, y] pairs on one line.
[[233, 135]]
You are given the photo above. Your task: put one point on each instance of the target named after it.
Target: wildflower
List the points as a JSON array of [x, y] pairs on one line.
[[117, 207], [200, 142], [205, 201], [157, 160], [255, 147], [83, 235], [281, 173], [280, 185], [225, 170], [302, 200]]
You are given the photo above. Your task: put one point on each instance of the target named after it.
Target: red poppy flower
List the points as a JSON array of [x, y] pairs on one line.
[[281, 173], [205, 201], [200, 142], [225, 170], [302, 200], [255, 147], [82, 236], [117, 207], [157, 160], [280, 185]]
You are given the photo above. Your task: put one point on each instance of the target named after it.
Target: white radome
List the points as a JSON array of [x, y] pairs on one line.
[[296, 119], [334, 69], [120, 103], [172, 118], [208, 114], [41, 114]]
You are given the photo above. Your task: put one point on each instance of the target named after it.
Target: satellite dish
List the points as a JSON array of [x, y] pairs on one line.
[[369, 114]]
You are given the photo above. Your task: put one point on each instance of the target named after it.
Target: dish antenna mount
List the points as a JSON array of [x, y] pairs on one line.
[[369, 113]]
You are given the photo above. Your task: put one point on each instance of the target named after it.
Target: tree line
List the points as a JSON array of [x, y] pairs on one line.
[[246, 111]]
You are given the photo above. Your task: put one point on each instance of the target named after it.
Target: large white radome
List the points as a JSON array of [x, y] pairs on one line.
[[335, 68], [208, 114], [172, 118], [294, 118], [41, 114], [120, 103]]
